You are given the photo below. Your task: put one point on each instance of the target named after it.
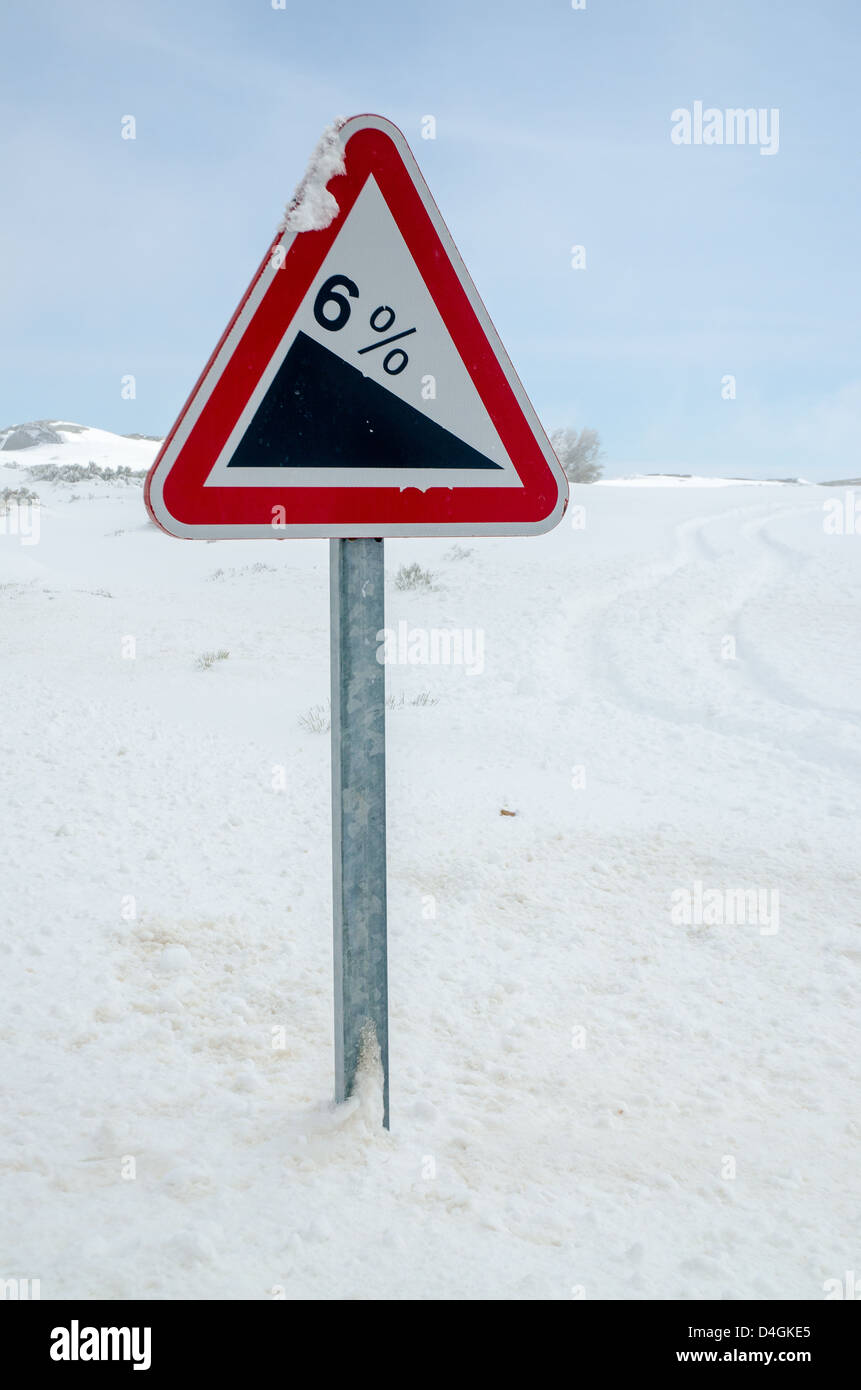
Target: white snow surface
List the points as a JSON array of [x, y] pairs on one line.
[[312, 206], [519, 1165]]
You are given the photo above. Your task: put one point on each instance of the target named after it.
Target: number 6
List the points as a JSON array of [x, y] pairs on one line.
[[327, 295]]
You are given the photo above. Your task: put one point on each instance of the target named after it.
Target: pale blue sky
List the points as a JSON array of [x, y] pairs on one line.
[[553, 128]]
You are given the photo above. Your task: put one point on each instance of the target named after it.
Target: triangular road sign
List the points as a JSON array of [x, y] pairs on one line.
[[360, 388]]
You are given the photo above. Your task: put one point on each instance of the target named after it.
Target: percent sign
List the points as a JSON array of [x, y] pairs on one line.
[[328, 294]]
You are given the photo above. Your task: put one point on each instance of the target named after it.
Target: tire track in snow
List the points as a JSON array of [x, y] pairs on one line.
[[755, 667], [695, 557]]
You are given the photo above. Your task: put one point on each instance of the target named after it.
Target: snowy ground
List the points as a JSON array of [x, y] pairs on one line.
[[572, 1069]]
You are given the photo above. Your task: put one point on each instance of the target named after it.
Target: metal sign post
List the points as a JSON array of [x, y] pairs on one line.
[[358, 810]]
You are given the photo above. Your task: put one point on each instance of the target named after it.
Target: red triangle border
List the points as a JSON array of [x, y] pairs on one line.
[[175, 494]]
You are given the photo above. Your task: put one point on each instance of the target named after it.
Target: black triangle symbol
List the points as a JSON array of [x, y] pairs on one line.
[[320, 412]]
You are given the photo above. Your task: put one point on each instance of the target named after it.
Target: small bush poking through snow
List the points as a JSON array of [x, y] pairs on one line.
[[457, 552], [424, 697], [258, 568], [207, 659], [10, 496], [580, 454], [414, 577], [76, 472], [316, 720]]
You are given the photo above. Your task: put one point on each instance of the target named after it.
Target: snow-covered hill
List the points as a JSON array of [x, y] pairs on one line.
[[591, 1095], [61, 442]]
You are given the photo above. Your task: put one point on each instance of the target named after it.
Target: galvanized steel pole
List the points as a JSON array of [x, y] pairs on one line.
[[358, 809]]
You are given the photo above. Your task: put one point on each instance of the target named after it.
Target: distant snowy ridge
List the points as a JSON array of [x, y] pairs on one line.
[[696, 480], [64, 444]]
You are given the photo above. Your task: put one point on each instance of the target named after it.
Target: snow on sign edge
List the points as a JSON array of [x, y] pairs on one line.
[[313, 206]]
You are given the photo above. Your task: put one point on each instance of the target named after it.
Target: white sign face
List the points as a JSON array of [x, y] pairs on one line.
[[395, 337], [360, 388]]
